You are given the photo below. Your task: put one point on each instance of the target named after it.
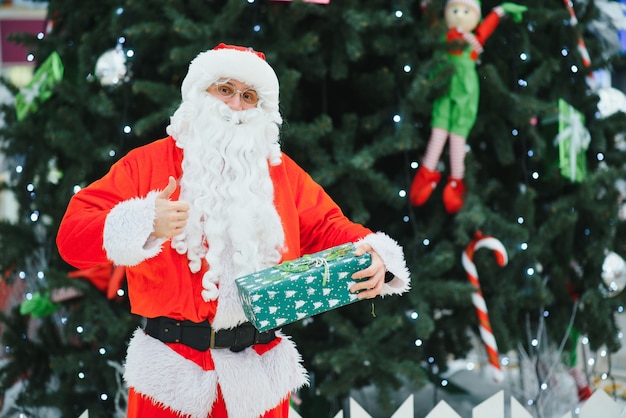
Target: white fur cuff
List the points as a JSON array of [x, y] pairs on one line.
[[126, 231], [393, 256]]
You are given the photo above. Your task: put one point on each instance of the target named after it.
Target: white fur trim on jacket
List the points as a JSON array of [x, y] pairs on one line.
[[251, 384], [393, 256], [126, 231]]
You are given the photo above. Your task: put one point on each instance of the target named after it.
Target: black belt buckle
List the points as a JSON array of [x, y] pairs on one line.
[[245, 336]]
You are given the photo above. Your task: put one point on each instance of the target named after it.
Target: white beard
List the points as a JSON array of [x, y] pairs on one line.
[[233, 223]]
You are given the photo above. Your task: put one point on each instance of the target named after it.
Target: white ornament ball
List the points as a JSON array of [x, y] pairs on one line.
[[614, 274], [111, 67]]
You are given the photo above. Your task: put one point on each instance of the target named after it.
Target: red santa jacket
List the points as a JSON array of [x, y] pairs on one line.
[[111, 220]]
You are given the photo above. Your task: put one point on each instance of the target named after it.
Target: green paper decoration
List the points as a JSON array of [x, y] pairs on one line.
[[39, 306], [40, 87]]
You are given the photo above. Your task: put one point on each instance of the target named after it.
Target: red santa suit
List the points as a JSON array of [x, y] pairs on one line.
[[111, 220]]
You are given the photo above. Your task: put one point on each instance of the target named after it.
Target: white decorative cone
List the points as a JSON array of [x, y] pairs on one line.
[[600, 405], [492, 407], [406, 409], [357, 411], [517, 410], [443, 410]]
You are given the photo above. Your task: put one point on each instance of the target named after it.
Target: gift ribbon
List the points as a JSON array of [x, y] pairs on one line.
[[307, 261], [574, 130]]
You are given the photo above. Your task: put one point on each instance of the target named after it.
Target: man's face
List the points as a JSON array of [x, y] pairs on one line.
[[235, 94], [459, 15]]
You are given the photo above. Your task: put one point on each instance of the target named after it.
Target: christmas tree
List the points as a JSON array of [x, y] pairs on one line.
[[358, 81]]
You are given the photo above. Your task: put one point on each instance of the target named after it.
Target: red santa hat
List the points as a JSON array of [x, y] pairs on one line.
[[474, 4], [232, 62]]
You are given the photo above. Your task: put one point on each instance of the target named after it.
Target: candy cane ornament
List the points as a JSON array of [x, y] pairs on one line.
[[486, 332], [582, 48]]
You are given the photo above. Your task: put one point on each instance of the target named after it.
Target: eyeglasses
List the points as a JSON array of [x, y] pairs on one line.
[[228, 90]]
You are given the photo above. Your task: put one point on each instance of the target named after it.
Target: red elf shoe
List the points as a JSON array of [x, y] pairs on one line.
[[423, 184], [453, 195]]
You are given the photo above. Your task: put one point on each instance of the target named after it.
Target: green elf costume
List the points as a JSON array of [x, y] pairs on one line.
[[454, 114]]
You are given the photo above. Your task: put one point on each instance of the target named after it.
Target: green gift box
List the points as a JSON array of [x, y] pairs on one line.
[[573, 140], [298, 289]]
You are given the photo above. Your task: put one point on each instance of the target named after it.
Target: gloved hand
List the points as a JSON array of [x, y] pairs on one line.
[[515, 10]]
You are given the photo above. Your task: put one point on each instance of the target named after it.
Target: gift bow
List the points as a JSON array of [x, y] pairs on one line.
[[575, 130], [307, 261]]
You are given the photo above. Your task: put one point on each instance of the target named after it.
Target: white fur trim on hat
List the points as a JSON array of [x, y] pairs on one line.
[[236, 63], [474, 4]]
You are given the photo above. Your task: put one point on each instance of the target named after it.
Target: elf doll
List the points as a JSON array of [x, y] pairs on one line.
[[454, 114]]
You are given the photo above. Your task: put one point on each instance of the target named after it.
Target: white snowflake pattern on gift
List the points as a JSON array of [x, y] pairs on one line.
[[300, 304], [290, 293], [342, 274], [255, 297], [273, 309], [325, 291], [311, 291], [280, 321], [271, 294], [264, 323], [333, 302], [317, 305]]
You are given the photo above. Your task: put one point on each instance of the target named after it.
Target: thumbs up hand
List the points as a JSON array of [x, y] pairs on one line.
[[170, 216]]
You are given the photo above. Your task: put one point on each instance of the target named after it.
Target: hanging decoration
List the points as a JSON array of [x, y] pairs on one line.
[[454, 113], [39, 89], [613, 274], [611, 101], [610, 26], [582, 48], [573, 140], [484, 323], [111, 68]]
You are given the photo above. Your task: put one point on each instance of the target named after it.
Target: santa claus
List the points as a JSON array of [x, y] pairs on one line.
[[189, 213]]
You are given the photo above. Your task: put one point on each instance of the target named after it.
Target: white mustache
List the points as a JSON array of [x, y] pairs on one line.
[[237, 117]]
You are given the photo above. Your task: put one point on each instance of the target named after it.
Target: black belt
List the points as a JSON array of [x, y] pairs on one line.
[[201, 336]]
